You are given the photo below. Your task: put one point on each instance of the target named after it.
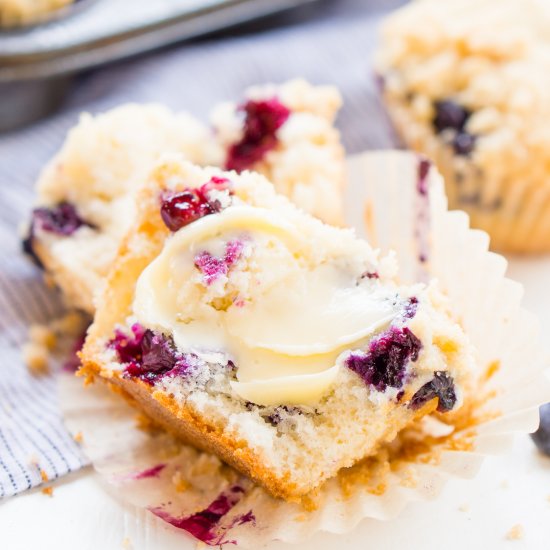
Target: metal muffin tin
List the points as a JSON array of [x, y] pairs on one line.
[[36, 63]]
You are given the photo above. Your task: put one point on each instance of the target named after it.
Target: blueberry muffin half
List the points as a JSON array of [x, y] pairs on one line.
[[254, 331], [85, 196]]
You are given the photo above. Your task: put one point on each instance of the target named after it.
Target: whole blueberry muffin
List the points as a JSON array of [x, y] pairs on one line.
[[467, 82]]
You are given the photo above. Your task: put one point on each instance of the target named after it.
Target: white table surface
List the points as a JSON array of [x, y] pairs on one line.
[[476, 514]]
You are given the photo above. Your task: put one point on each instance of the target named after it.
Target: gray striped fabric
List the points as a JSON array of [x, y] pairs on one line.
[[330, 45]]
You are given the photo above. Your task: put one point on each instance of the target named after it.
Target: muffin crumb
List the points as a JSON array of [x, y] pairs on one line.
[[464, 507], [47, 491], [515, 533], [35, 357], [180, 483]]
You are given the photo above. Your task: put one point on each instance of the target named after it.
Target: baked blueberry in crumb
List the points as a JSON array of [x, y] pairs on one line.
[[261, 122], [463, 143], [441, 386], [180, 209], [149, 355], [388, 355], [542, 436], [62, 219], [452, 116], [449, 115], [275, 417], [128, 347]]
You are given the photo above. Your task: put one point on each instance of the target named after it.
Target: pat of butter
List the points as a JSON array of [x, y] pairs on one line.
[[301, 389], [293, 317]]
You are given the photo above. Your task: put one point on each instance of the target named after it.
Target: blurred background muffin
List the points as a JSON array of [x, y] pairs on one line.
[[15, 13], [467, 82]]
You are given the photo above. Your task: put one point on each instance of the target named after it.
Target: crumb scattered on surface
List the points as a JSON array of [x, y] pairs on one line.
[[409, 479], [127, 543], [516, 532], [35, 357], [44, 475], [492, 368], [46, 342], [72, 324], [78, 437], [464, 507], [504, 484], [43, 335], [180, 483], [48, 491]]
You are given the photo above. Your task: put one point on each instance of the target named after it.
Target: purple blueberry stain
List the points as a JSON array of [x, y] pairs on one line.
[[128, 347], [212, 268], [541, 437], [423, 170], [242, 519], [422, 220], [369, 275], [411, 307], [385, 362], [153, 472], [206, 524], [72, 363], [441, 386], [262, 119]]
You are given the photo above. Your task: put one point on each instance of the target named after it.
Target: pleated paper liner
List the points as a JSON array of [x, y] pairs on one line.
[[397, 200]]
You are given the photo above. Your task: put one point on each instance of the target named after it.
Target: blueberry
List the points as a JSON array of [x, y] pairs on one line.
[[442, 387], [149, 355], [542, 436], [62, 219], [385, 362], [463, 143], [262, 120], [180, 209], [449, 115]]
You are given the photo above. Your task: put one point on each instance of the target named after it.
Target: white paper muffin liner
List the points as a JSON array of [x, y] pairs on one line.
[[388, 204]]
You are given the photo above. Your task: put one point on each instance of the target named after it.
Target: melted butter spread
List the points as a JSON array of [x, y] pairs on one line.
[[283, 315]]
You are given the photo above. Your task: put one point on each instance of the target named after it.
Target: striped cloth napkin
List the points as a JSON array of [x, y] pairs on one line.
[[330, 45]]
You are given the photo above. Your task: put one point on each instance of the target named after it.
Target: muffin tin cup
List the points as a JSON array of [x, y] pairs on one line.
[[388, 203]]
